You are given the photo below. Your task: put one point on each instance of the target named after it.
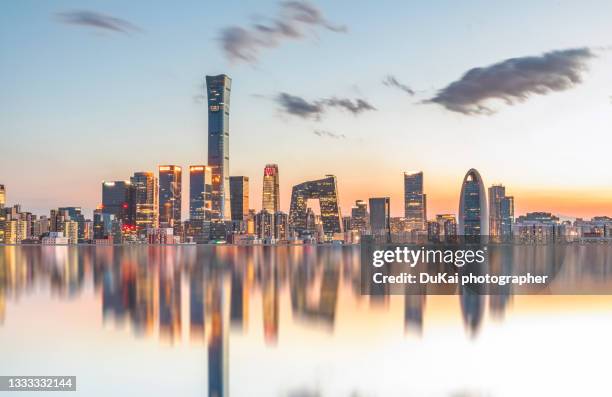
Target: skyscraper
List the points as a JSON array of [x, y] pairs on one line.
[[496, 193], [271, 195], [473, 210], [170, 188], [219, 89], [380, 215], [2, 196], [414, 201], [146, 205], [501, 212], [326, 191], [200, 190], [239, 197], [507, 216], [359, 216], [118, 200]]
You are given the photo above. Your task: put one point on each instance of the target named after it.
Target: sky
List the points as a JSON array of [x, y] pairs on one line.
[[521, 91]]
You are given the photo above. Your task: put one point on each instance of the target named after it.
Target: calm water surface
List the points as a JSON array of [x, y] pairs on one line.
[[282, 321]]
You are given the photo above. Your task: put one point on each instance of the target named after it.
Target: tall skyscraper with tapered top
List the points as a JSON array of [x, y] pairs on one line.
[[271, 195], [218, 90]]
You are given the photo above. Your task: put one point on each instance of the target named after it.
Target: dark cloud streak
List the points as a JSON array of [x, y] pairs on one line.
[[391, 81], [298, 106], [97, 20], [514, 80]]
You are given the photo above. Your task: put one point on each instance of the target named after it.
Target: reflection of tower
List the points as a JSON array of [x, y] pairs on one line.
[[2, 307], [169, 302], [196, 303], [270, 304], [472, 309], [413, 312], [325, 310], [501, 260], [217, 343], [239, 304], [145, 309]]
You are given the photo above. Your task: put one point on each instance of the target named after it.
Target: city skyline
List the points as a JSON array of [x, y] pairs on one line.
[[137, 102]]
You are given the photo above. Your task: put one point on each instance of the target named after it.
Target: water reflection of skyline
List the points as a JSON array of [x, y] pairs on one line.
[[204, 293]]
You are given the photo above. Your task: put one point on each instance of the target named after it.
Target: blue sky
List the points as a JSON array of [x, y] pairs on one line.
[[83, 104]]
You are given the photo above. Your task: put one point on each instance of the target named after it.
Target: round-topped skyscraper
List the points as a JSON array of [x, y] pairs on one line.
[[473, 210]]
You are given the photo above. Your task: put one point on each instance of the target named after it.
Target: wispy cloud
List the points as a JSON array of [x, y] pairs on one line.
[[245, 44], [355, 107], [391, 81], [514, 80], [328, 134], [98, 21], [298, 106]]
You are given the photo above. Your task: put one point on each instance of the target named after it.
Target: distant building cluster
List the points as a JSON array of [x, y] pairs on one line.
[[147, 208]]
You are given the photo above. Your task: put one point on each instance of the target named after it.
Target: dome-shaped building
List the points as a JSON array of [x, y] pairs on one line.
[[473, 210]]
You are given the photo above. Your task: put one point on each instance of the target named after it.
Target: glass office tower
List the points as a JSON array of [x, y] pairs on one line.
[[118, 200], [239, 197], [218, 90], [473, 210], [170, 187], [200, 190], [359, 216], [414, 201], [380, 215], [146, 205], [271, 194]]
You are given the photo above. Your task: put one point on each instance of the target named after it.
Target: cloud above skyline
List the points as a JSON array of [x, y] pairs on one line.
[[391, 81], [98, 21], [245, 44], [514, 80], [298, 106]]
